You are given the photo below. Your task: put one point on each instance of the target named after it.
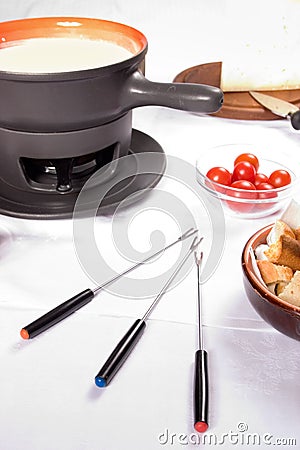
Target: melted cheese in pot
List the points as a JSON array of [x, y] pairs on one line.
[[51, 55]]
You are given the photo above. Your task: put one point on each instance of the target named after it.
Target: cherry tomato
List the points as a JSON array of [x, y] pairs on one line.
[[266, 187], [219, 175], [244, 171], [243, 184], [243, 192], [267, 194], [248, 157], [261, 178], [280, 178]]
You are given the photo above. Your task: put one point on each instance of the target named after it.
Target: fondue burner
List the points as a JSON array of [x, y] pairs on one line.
[[41, 174]]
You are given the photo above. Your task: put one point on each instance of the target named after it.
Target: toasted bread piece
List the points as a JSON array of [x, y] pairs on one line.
[[282, 228], [279, 229], [291, 292], [297, 233], [286, 251], [284, 273], [272, 273], [274, 251], [279, 287]]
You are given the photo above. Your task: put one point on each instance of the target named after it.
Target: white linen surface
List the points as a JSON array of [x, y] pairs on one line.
[[48, 397]]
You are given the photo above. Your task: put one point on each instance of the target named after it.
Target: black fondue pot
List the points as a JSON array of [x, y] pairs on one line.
[[87, 98], [57, 128]]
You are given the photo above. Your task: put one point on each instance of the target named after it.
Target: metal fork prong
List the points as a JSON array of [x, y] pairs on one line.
[[196, 242], [190, 232]]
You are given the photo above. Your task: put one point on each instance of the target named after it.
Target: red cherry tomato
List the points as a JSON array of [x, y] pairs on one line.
[[280, 178], [267, 187], [244, 184], [219, 175], [244, 171], [243, 191], [248, 157], [267, 194], [261, 178]]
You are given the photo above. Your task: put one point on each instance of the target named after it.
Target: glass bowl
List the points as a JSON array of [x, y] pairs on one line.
[[243, 203]]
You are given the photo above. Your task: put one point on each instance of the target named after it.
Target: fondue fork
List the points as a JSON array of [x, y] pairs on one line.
[[78, 301], [131, 338], [200, 368]]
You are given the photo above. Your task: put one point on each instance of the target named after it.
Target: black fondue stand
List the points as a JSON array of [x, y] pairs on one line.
[[41, 174]]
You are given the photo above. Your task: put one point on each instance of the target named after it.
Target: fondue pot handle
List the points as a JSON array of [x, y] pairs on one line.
[[198, 98]]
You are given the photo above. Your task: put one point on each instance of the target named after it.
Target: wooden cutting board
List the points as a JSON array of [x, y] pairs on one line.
[[237, 105]]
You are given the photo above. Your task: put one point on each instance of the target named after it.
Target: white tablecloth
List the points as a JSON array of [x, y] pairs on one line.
[[48, 397]]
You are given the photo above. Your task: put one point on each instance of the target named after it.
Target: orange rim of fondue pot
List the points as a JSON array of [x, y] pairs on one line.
[[73, 27]]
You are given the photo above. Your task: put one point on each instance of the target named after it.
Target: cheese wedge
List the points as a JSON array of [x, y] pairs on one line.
[[260, 74]]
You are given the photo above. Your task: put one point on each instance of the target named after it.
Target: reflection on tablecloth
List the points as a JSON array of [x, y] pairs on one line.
[[51, 401]]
